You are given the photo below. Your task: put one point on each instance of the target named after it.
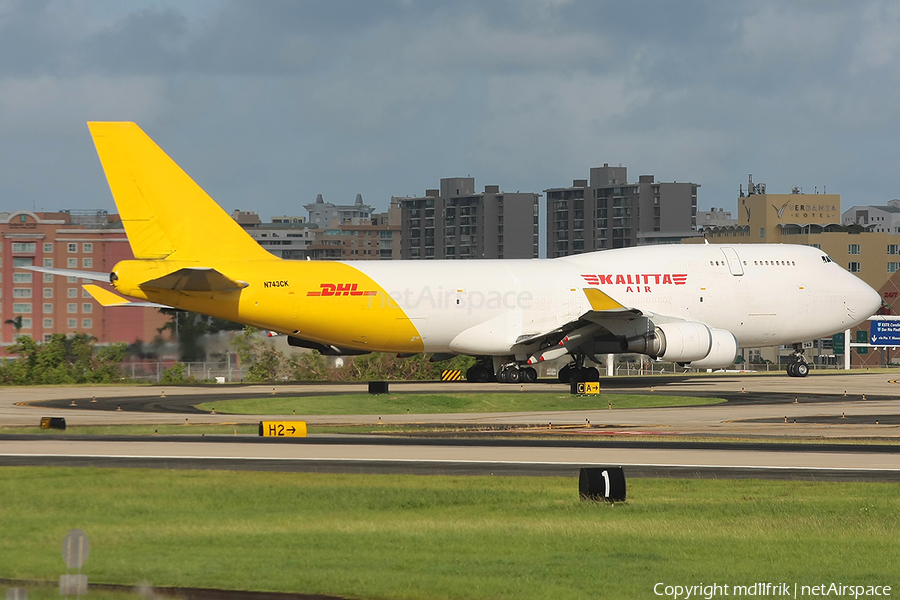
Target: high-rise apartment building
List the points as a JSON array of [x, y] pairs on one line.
[[285, 237], [375, 237], [41, 304], [607, 211], [458, 222], [323, 214]]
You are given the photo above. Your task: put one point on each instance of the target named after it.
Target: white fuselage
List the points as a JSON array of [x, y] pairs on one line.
[[764, 294]]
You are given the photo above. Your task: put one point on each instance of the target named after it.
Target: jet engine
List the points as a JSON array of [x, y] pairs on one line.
[[724, 350], [690, 342]]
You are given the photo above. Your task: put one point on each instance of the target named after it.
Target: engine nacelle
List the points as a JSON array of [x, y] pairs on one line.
[[687, 342], [681, 341], [722, 354]]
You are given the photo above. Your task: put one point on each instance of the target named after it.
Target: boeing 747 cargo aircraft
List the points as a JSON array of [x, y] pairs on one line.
[[691, 304]]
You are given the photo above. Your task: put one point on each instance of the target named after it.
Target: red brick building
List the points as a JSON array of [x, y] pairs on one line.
[[47, 304]]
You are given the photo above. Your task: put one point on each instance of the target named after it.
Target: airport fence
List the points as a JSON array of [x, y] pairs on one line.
[[200, 371]]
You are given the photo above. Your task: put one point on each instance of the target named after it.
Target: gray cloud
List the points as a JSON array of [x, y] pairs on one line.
[[266, 104]]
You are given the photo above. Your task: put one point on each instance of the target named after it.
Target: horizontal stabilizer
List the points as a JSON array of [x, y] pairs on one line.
[[89, 275], [198, 279], [107, 299]]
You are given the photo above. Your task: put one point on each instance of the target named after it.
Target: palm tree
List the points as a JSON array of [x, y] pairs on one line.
[[15, 322]]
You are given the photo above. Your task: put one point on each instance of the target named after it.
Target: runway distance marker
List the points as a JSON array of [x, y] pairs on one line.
[[282, 428]]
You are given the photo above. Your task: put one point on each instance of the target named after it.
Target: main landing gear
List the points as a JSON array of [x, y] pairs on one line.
[[517, 374], [797, 366], [576, 372], [483, 371]]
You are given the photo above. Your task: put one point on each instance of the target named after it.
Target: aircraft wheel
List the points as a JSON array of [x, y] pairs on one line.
[[513, 375], [791, 369], [479, 374], [503, 375], [564, 374], [592, 374], [530, 374], [801, 369], [576, 375]]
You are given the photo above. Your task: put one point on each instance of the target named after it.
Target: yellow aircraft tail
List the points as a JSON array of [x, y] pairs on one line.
[[165, 213]]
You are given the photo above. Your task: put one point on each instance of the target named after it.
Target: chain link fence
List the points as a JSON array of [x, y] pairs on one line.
[[223, 372]]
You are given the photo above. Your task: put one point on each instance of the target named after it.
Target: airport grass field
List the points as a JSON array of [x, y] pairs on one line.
[[418, 537], [386, 404]]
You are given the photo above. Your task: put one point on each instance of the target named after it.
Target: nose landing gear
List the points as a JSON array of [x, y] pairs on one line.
[[797, 366]]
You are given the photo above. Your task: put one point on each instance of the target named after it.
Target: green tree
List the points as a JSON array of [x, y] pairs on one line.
[[263, 362], [177, 373], [107, 362], [62, 359], [16, 322], [308, 366], [21, 371]]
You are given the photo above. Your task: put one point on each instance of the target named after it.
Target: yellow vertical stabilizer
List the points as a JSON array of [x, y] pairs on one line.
[[165, 213]]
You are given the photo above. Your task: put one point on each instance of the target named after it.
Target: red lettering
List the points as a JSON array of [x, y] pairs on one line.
[[620, 279], [667, 279], [606, 279], [340, 289]]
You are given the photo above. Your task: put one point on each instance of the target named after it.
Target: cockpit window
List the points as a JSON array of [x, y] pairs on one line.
[[826, 259]]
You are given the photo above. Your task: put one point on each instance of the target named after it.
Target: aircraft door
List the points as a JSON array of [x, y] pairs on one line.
[[734, 262]]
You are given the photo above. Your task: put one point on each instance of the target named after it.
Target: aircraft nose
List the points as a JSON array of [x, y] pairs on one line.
[[867, 300]]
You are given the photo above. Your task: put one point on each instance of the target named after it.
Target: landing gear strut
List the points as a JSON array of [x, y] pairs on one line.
[[797, 366]]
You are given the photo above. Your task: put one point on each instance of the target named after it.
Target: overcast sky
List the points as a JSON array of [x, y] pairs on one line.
[[266, 104]]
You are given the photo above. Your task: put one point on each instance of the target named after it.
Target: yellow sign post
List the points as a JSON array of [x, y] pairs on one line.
[[282, 428]]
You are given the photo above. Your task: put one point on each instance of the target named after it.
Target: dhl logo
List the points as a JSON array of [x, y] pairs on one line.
[[637, 279], [340, 289]]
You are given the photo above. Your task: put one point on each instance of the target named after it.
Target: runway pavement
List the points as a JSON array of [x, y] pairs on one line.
[[757, 405], [446, 457], [766, 406]]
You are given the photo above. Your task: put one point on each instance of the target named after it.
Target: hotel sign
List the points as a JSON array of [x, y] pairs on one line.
[[796, 210]]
